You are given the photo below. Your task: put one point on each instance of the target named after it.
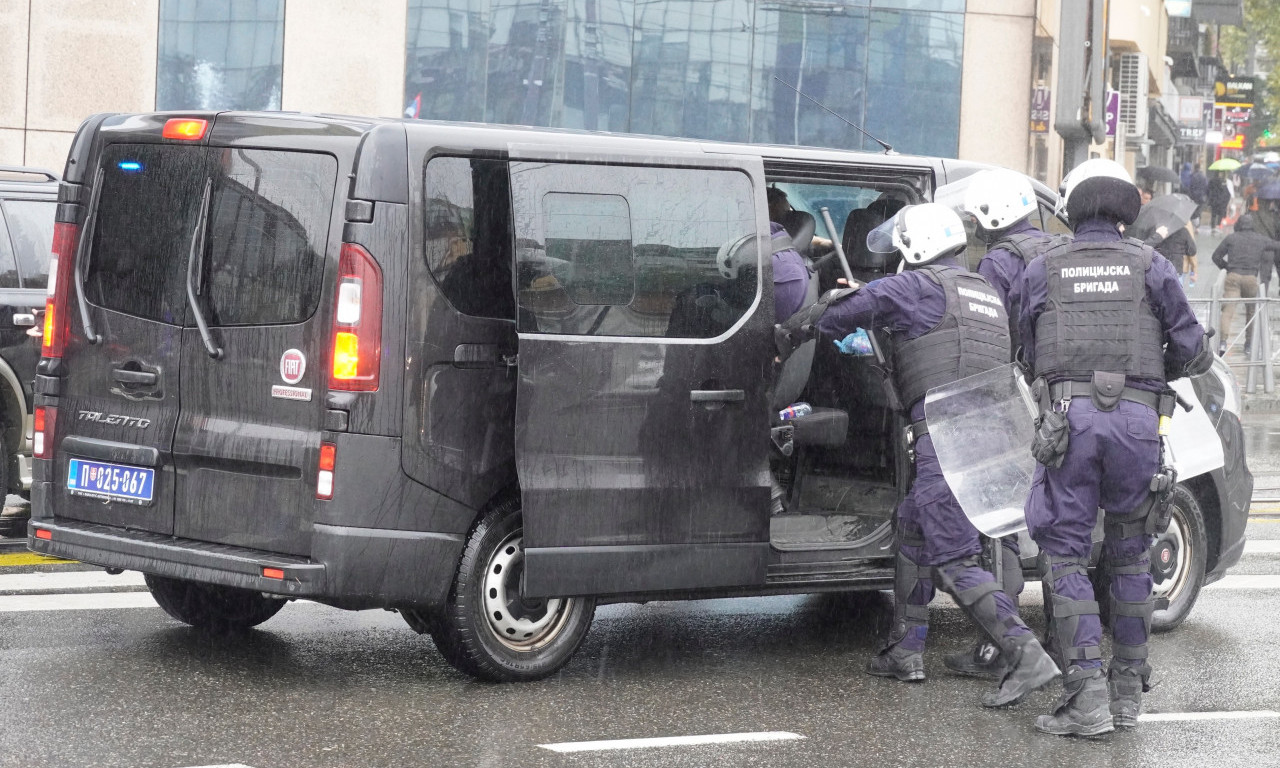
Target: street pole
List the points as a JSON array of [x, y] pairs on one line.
[[1080, 115]]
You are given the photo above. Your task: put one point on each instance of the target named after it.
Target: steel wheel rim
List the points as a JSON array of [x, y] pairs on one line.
[[1179, 543], [519, 624]]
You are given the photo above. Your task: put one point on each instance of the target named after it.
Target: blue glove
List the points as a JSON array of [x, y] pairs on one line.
[[856, 343]]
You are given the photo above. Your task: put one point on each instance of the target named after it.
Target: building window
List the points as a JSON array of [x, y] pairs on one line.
[[220, 54]]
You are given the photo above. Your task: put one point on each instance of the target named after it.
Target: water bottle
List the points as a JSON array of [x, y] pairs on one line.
[[795, 411]]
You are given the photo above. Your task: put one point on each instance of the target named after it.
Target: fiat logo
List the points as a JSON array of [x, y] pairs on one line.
[[1164, 555], [292, 365]]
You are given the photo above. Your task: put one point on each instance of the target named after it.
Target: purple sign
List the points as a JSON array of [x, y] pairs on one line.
[[1113, 112], [1040, 103]]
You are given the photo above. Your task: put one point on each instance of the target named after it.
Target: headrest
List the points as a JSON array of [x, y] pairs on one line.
[[800, 226]]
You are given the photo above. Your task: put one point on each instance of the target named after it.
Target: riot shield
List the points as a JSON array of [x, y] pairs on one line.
[[981, 428]]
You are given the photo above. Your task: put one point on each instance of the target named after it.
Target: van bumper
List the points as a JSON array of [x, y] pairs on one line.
[[350, 567], [162, 555]]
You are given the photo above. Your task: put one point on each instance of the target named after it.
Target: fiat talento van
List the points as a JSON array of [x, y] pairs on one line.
[[488, 377]]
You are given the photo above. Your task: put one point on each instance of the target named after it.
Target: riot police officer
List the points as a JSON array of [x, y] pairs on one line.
[[945, 324], [1104, 323], [1001, 202]]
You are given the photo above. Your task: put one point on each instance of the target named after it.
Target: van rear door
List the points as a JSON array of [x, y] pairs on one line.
[[248, 440], [119, 399], [645, 355]]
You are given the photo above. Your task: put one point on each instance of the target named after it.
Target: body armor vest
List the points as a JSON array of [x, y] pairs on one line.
[[1025, 246], [1097, 317], [971, 337]]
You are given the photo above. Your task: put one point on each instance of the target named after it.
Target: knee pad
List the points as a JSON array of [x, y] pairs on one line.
[[1012, 580], [1137, 565], [1064, 613]]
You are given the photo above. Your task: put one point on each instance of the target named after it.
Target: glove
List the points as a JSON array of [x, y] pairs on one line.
[[1199, 364], [1049, 445]]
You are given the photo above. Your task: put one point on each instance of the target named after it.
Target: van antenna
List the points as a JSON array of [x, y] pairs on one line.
[[888, 150]]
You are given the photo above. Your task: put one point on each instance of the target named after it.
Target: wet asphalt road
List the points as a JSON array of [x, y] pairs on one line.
[[315, 687]]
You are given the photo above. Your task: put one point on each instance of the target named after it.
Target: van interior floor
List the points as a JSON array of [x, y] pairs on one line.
[[833, 510]]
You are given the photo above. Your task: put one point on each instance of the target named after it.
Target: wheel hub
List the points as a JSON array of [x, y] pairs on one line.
[[1164, 561], [1170, 558], [520, 623]]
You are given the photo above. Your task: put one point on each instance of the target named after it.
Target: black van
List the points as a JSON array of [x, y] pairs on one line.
[[486, 376], [28, 200]]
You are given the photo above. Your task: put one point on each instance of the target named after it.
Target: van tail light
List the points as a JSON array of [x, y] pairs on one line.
[[42, 431], [65, 237], [357, 322], [324, 478]]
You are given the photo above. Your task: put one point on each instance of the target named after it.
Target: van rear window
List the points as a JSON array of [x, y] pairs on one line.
[[267, 236], [146, 218]]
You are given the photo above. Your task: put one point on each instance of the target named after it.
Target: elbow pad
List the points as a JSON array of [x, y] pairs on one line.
[[1203, 360]]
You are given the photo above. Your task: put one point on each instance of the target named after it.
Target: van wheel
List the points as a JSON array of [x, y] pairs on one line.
[[215, 609], [487, 628], [1178, 559]]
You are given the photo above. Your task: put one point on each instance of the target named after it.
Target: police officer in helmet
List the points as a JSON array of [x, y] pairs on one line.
[[1104, 324], [945, 324], [1001, 202]]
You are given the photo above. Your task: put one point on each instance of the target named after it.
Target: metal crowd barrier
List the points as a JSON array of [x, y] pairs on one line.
[[1257, 356]]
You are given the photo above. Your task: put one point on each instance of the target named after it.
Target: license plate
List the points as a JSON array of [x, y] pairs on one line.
[[111, 482]]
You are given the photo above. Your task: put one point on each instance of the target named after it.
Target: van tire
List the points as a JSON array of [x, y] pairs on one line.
[[1187, 544], [216, 609], [474, 642]]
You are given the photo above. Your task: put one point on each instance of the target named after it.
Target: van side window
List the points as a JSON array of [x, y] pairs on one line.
[[633, 251], [468, 234], [8, 269], [31, 226], [268, 231]]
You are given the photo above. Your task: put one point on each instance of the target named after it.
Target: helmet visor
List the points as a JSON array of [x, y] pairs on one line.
[[880, 239]]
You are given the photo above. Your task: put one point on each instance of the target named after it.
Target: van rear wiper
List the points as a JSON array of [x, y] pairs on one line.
[[197, 252], [82, 254]]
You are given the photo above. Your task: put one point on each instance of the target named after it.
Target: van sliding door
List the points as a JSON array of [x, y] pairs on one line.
[[645, 355]]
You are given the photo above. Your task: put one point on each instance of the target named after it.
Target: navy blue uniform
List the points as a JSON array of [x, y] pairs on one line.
[[932, 528], [790, 277], [1110, 458]]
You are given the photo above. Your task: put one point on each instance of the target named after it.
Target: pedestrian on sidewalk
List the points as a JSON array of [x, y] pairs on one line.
[[1242, 255], [1219, 197], [1180, 249]]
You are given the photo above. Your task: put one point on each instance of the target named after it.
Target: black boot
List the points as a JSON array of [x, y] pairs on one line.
[[1028, 669], [1127, 684], [894, 661], [984, 660], [1085, 707]]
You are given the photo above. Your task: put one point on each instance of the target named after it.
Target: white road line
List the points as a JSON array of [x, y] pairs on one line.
[[80, 602], [1167, 717], [671, 741], [67, 580], [1271, 581], [1262, 546]]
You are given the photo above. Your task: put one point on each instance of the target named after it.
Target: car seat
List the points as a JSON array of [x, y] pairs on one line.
[[800, 226], [827, 427]]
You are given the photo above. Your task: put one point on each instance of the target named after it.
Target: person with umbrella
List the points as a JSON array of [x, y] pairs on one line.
[[1242, 256], [1163, 223], [1218, 197]]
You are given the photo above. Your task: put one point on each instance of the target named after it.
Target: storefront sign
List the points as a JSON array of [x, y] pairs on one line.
[[1113, 112], [1040, 100]]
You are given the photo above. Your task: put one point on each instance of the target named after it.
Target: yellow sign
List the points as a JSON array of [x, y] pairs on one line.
[[1235, 142]]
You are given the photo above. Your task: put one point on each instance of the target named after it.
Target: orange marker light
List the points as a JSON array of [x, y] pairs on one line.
[[273, 573], [186, 129], [43, 534], [346, 355]]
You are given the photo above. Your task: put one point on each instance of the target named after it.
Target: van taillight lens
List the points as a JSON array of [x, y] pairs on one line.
[[357, 322], [184, 128], [65, 237], [324, 477], [45, 422]]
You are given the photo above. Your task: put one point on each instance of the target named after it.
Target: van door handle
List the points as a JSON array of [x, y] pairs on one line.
[[717, 395], [137, 378]]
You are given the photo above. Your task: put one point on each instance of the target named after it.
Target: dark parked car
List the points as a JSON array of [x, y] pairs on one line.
[[28, 200], [486, 376]]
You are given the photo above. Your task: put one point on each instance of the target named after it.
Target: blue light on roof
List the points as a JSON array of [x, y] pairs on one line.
[[129, 165]]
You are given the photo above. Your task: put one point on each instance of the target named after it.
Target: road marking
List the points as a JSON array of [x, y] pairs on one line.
[[1166, 717], [224, 765], [1247, 582], [672, 741], [1262, 546], [65, 581], [81, 602], [12, 559]]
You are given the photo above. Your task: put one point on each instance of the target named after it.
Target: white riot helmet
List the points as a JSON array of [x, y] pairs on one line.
[[735, 254], [921, 232], [999, 198], [1099, 187]]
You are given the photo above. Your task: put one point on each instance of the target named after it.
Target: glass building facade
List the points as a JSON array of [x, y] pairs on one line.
[[220, 54], [714, 69]]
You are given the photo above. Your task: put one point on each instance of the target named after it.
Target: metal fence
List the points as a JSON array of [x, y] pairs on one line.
[[1248, 345]]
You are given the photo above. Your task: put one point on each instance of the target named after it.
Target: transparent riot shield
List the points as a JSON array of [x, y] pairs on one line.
[[981, 428]]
